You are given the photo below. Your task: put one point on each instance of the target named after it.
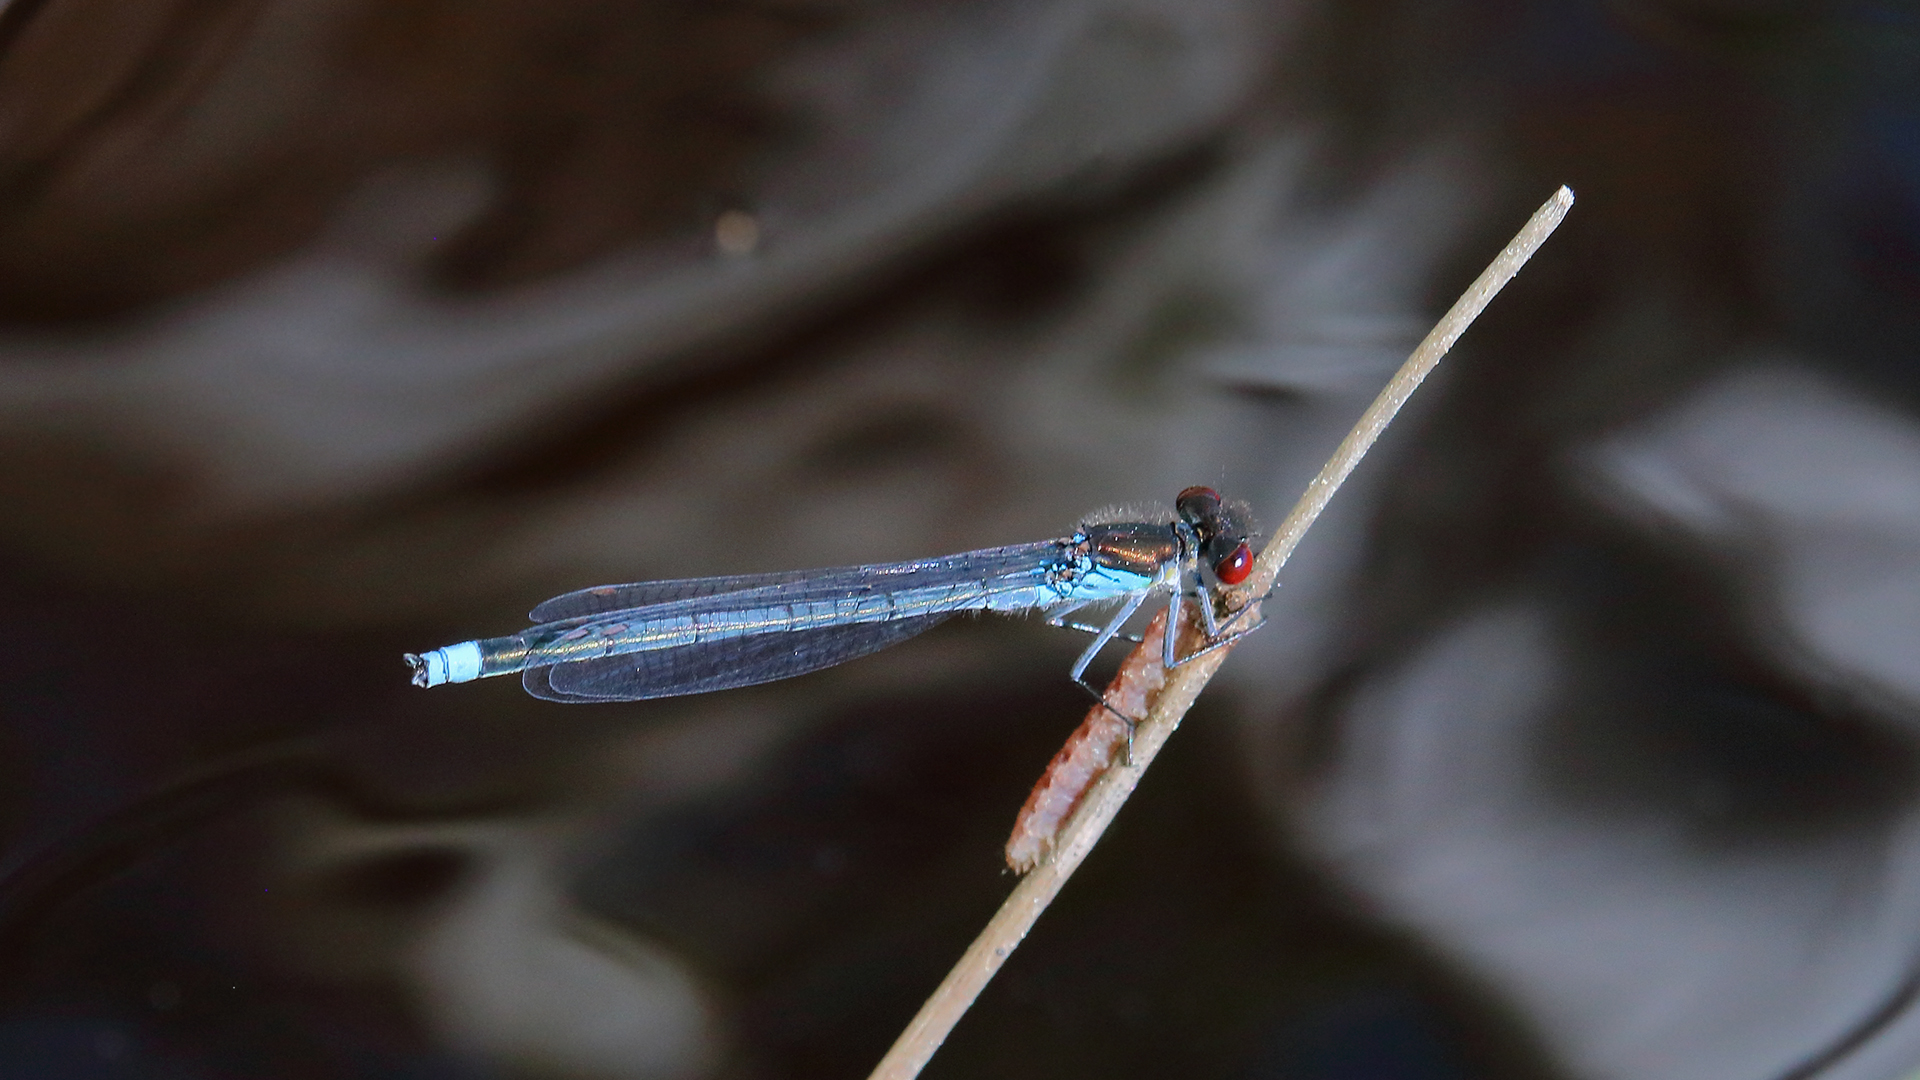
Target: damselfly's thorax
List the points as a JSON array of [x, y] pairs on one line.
[[1206, 530], [1112, 559], [1137, 547]]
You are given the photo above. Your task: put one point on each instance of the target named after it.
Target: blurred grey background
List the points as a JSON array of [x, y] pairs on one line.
[[1583, 740]]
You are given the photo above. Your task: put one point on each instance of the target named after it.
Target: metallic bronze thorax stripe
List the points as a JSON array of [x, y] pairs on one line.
[[1135, 547]]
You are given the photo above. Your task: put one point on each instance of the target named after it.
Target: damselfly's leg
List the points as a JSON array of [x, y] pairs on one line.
[[1107, 633], [1242, 613], [1059, 619], [1219, 634], [1221, 642], [1205, 600], [1170, 641]]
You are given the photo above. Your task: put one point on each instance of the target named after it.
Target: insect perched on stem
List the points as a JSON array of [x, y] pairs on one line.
[[663, 638]]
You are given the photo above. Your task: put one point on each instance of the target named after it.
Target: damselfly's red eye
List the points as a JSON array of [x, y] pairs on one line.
[[1234, 569]]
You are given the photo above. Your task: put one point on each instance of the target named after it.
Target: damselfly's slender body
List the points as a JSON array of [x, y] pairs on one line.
[[662, 638]]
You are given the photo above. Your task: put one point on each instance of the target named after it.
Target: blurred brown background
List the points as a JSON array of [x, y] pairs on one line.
[[1582, 742]]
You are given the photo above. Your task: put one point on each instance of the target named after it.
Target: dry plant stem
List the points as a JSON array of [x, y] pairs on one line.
[[1009, 925], [1423, 359]]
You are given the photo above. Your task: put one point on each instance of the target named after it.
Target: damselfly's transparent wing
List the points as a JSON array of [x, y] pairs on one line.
[[986, 564], [601, 599], [717, 665], [759, 627]]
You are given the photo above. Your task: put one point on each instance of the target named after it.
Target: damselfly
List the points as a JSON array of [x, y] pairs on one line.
[[662, 638]]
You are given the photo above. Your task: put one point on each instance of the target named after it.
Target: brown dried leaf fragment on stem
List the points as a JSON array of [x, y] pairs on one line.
[[1098, 742], [1090, 818]]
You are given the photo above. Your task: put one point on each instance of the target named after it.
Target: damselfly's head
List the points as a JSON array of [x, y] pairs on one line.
[[1223, 531]]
